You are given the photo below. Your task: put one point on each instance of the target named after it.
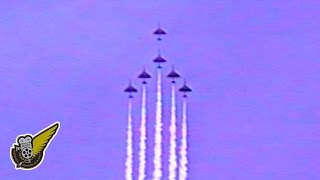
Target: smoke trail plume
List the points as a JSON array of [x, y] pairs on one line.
[[172, 156], [157, 174], [183, 171], [129, 143], [143, 137]]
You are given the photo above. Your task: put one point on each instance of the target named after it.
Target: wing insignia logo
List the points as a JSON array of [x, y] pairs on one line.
[[28, 152]]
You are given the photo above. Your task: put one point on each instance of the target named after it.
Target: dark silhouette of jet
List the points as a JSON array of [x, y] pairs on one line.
[[144, 75], [159, 32], [173, 75], [159, 59], [185, 89], [130, 90]]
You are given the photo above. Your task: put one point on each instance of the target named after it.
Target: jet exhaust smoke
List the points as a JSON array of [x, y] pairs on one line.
[[172, 156], [178, 159], [143, 137], [157, 174], [129, 143], [183, 171]]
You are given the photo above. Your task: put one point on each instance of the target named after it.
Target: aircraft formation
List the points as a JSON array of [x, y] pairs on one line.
[[173, 75]]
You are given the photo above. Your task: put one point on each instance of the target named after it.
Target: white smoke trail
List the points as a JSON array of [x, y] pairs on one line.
[[172, 157], [157, 173], [183, 171], [129, 143], [143, 136]]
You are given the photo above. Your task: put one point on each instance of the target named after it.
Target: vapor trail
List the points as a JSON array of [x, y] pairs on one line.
[[183, 171], [143, 137], [172, 157], [157, 173], [129, 143]]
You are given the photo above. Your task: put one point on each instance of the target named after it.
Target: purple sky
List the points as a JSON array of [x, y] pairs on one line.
[[254, 66]]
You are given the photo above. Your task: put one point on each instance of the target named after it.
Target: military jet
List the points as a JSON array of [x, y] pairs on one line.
[[130, 90], [144, 75], [159, 59], [159, 32], [173, 75], [185, 89]]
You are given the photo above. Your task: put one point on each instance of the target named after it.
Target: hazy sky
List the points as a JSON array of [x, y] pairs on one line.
[[254, 67]]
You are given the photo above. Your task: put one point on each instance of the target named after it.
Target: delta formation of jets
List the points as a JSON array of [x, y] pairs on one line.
[[159, 60]]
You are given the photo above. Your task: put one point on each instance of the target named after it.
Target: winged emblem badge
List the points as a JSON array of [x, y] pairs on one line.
[[28, 152]]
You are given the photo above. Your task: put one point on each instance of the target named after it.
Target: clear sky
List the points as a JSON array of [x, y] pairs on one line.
[[254, 67]]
